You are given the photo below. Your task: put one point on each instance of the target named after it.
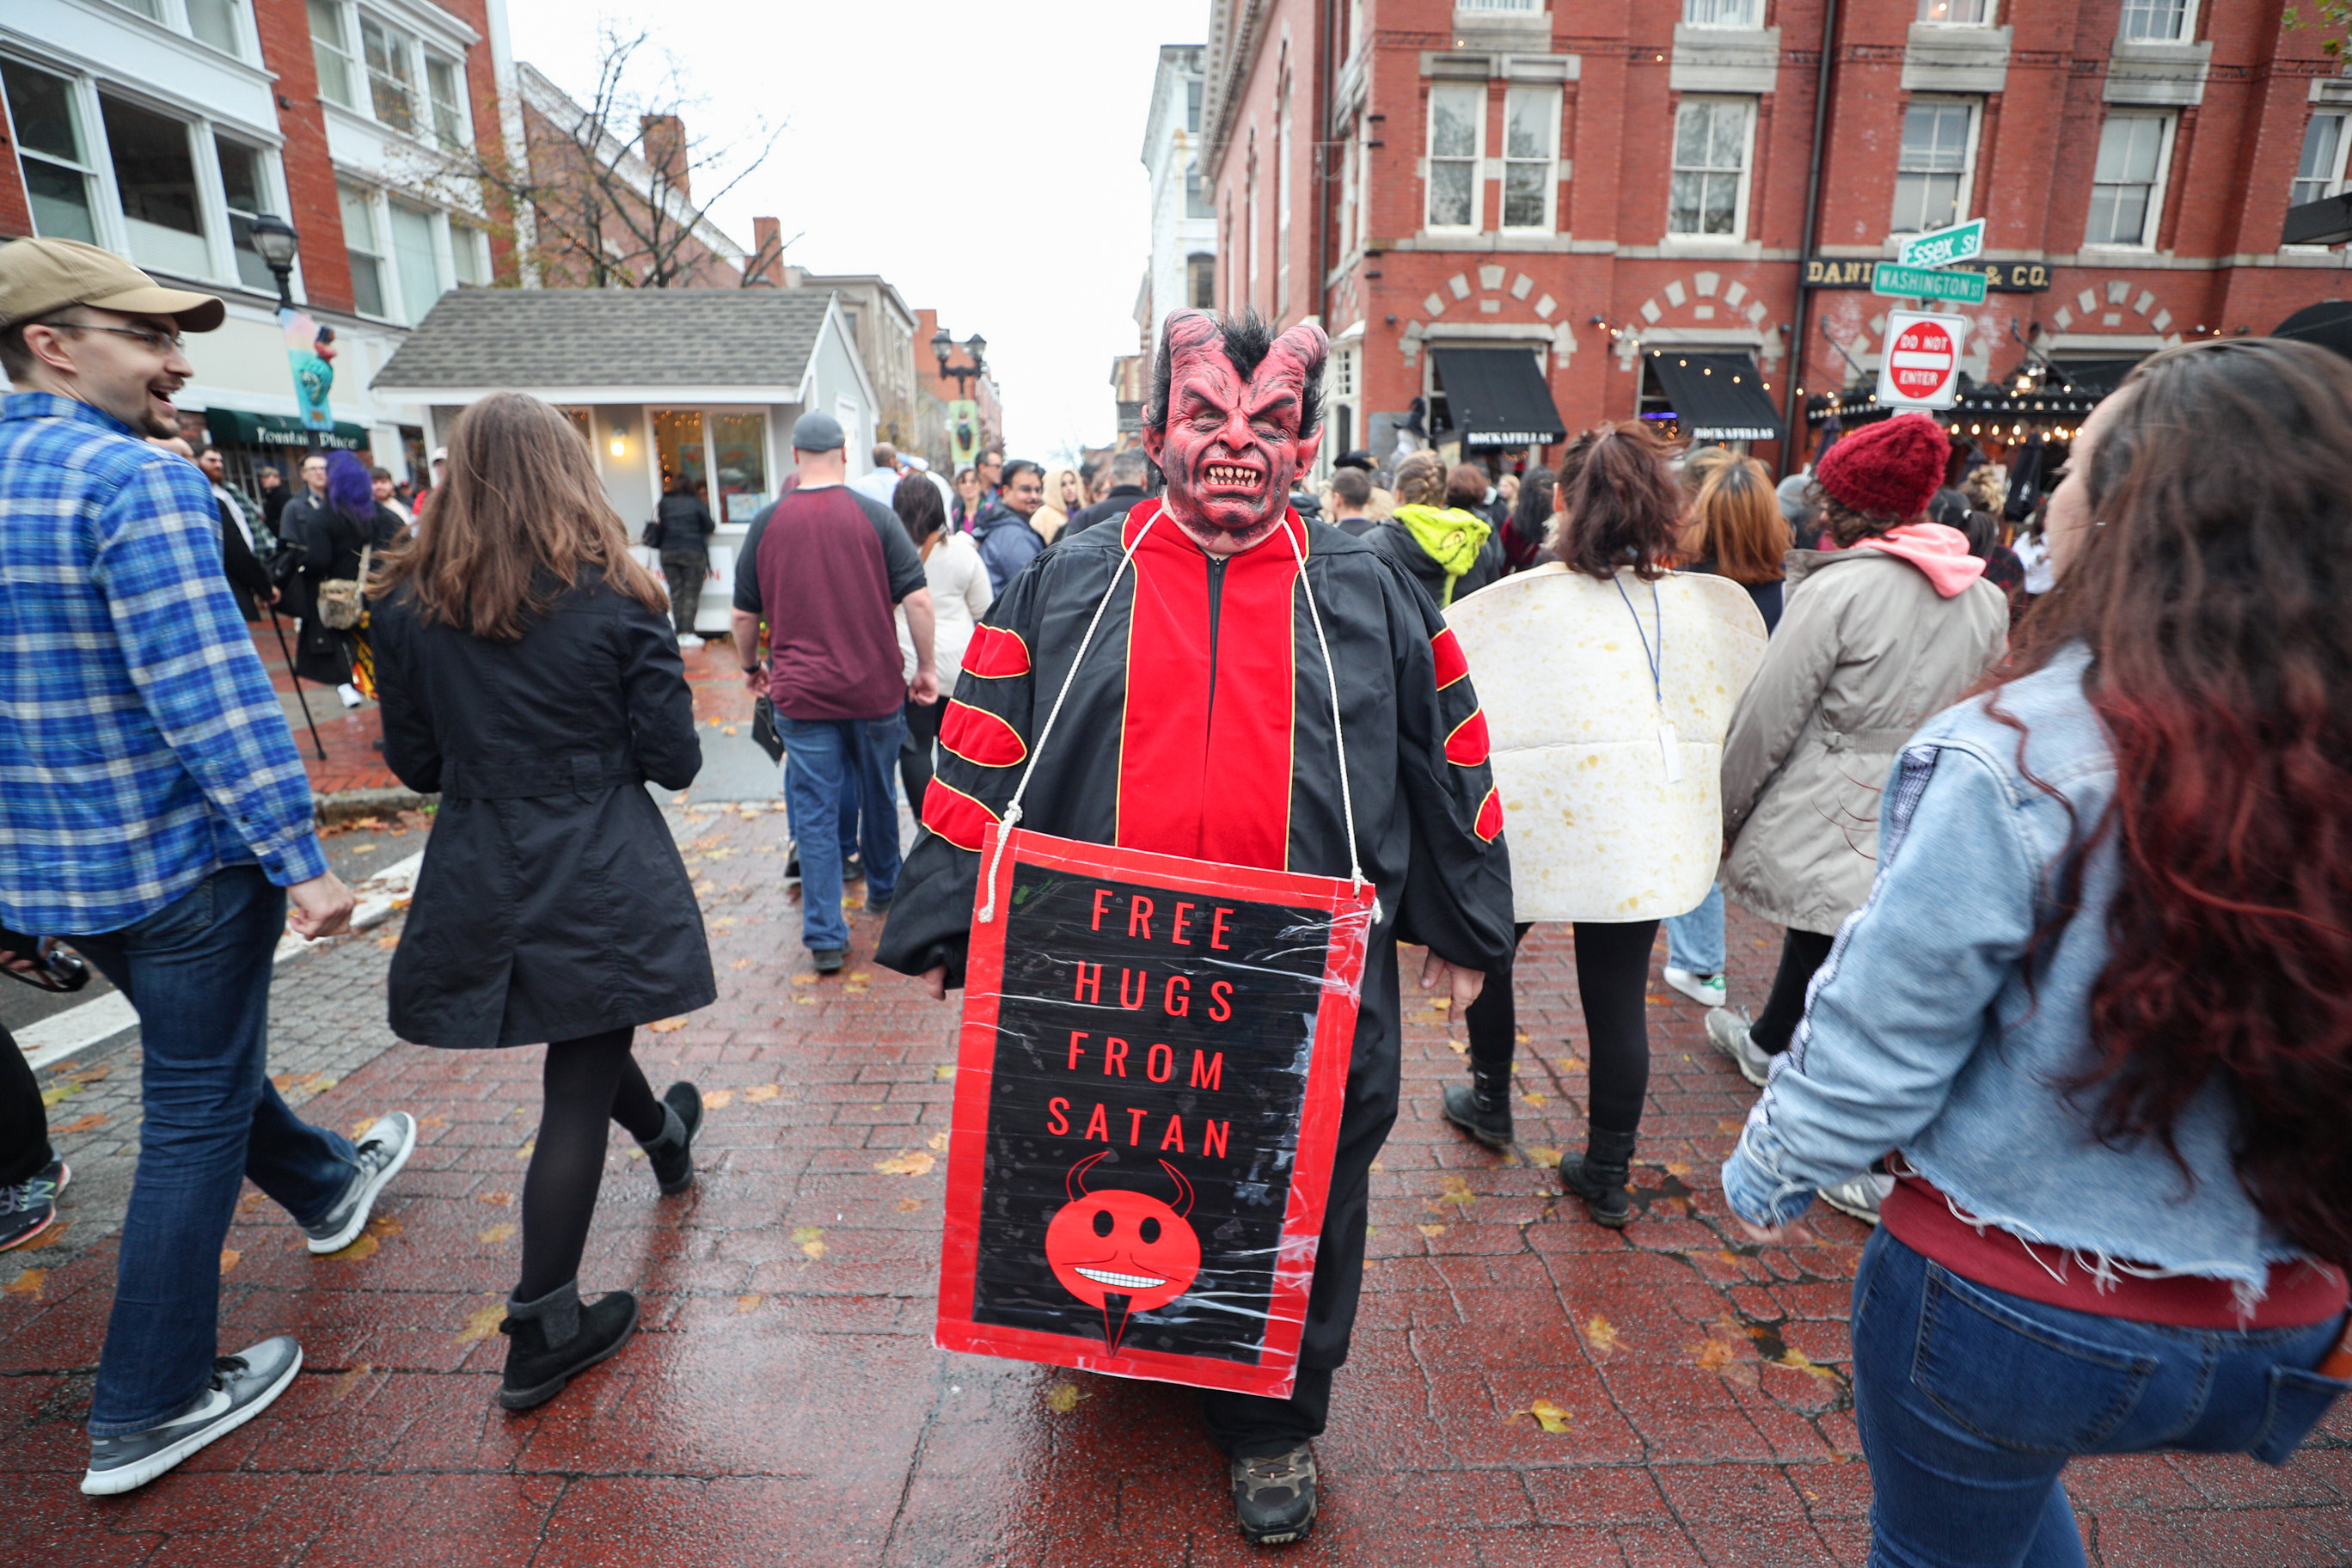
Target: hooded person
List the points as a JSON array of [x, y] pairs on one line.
[[1885, 628], [1439, 534], [1201, 723], [345, 532]]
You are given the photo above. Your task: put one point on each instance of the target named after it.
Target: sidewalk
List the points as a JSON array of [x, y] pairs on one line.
[[784, 1404]]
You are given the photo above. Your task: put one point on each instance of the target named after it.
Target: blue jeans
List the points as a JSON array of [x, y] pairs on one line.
[[819, 754], [1971, 1400], [198, 972], [1695, 941]]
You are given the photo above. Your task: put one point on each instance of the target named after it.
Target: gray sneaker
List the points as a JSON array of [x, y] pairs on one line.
[[1728, 1030], [1859, 1197], [242, 1387], [381, 1154], [1273, 1496]]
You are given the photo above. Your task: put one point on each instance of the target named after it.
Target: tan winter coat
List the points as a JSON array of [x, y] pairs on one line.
[[1865, 651]]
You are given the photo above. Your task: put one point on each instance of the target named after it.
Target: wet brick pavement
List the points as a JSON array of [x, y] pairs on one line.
[[784, 1403]]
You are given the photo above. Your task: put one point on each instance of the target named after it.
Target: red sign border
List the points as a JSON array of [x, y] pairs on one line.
[[1894, 373], [1318, 1132]]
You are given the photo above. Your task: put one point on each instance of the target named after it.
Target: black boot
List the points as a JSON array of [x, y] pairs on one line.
[[1599, 1176], [552, 1340], [1481, 1108], [672, 1155]]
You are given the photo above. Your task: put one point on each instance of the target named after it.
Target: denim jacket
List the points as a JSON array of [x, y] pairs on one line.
[[1920, 1033]]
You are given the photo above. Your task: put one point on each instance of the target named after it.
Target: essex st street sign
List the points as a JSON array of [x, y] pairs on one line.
[[1897, 283], [1961, 242]]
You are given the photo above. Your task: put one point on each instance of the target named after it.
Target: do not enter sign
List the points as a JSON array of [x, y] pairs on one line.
[[1921, 366]]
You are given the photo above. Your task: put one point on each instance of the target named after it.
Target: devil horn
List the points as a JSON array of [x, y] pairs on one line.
[[1075, 1183], [1183, 1189]]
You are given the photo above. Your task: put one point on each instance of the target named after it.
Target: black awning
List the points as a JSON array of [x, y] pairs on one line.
[[1716, 397], [1496, 397], [2095, 377]]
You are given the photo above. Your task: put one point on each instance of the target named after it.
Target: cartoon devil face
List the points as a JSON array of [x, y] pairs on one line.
[[1122, 1251], [1230, 444]]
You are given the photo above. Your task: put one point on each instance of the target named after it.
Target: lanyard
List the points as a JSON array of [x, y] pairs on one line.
[[1655, 661]]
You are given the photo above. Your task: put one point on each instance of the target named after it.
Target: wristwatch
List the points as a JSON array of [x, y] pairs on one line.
[[752, 668]]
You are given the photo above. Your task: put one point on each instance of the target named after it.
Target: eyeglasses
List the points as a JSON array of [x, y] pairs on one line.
[[160, 342]]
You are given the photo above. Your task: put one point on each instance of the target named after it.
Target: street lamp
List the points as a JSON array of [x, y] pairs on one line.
[[277, 243], [975, 346]]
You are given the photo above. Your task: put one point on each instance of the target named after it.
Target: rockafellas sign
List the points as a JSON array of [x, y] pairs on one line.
[[1147, 1093]]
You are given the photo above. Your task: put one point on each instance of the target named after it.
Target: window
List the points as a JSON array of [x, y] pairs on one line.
[[155, 176], [466, 255], [362, 247], [2320, 175], [244, 186], [392, 80], [1531, 137], [150, 9], [331, 52], [1201, 281], [2155, 21], [1196, 200], [1494, 5], [214, 22], [414, 262], [2125, 184], [1457, 124], [1193, 104], [52, 153], [1720, 13], [444, 84], [1709, 196], [1931, 181], [1956, 13]]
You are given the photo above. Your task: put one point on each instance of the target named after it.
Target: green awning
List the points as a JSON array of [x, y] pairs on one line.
[[231, 425]]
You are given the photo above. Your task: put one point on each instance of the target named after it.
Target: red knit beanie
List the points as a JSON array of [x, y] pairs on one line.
[[1892, 468]]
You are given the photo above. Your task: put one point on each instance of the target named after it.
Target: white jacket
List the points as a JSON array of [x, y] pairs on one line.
[[958, 579]]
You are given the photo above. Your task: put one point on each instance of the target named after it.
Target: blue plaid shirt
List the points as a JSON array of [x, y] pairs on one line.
[[141, 748]]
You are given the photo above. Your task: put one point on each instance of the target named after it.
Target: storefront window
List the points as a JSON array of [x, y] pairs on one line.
[[741, 446], [677, 443]]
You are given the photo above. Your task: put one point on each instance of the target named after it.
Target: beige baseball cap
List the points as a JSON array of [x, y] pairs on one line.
[[40, 275]]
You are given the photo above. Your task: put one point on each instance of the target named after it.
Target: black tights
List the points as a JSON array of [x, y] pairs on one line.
[[1612, 976], [1802, 953], [588, 1082]]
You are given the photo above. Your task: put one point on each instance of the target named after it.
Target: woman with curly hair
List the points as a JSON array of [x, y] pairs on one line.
[[2100, 1002]]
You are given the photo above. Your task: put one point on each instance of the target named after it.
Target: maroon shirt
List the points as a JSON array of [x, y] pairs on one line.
[[823, 567]]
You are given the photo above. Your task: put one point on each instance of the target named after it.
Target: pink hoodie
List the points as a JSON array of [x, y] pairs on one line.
[[1940, 552]]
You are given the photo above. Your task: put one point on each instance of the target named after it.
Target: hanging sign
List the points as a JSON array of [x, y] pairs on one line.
[[1943, 247], [1148, 1092], [1921, 367]]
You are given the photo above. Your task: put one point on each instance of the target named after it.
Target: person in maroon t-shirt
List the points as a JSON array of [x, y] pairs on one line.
[[823, 567]]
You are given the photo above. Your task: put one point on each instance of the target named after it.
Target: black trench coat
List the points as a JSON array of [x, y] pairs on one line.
[[553, 903]]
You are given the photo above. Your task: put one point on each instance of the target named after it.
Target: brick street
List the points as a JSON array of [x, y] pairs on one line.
[[782, 1403]]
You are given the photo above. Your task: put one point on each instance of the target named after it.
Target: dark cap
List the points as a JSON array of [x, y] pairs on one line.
[[817, 431]]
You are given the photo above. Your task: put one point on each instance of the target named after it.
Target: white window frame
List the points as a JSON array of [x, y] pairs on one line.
[[403, 58], [1476, 93], [467, 238], [354, 71], [1548, 98], [2332, 184], [2152, 222], [2185, 33], [1958, 12], [1522, 6], [212, 210], [1740, 15], [272, 194], [460, 107], [416, 51], [96, 170], [379, 250], [1738, 235], [172, 16], [1965, 205]]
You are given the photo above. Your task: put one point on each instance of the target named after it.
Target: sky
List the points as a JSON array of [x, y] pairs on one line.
[[985, 158]]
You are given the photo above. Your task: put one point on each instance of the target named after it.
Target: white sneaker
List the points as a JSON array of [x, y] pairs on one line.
[[1861, 1197], [1708, 990], [1728, 1030], [350, 694], [689, 641]]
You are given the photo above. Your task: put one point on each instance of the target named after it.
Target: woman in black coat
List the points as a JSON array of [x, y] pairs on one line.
[[528, 675], [335, 536]]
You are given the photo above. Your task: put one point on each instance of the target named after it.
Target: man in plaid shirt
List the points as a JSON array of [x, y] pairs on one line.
[[154, 812]]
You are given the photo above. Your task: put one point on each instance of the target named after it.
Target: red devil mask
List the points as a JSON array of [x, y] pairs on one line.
[[1228, 433], [1120, 1251]]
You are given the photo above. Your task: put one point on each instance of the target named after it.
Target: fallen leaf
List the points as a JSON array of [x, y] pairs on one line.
[[679, 799], [81, 1123], [760, 1094], [1459, 1048], [724, 923], [496, 1234], [908, 1205], [740, 963], [750, 1302], [727, 729], [1522, 1037], [1542, 1156], [1534, 1097], [1548, 1416], [1678, 1168], [1455, 1190], [1600, 1335], [364, 1246], [229, 1256], [944, 1071], [806, 978], [87, 1075], [49, 1238], [717, 1099], [1440, 1003], [666, 1025], [526, 1149], [809, 1239], [1713, 1355], [939, 1140], [27, 1283], [482, 1322], [402, 903], [1798, 1361], [63, 1091], [435, 1119], [1734, 1125], [1431, 1229], [388, 941], [347, 1380], [804, 1001], [906, 1163], [634, 1154], [1064, 1397], [494, 1197]]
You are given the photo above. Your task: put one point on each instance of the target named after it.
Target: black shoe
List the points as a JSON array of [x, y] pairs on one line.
[[1273, 1496], [1485, 1115], [1599, 1176], [672, 1155], [554, 1339], [874, 906], [829, 960], [853, 869], [382, 1151], [30, 1206], [242, 1387]]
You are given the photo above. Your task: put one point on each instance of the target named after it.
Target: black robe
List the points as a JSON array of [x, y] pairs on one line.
[[1197, 767]]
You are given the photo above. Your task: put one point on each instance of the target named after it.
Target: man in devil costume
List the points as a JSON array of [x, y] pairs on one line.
[[1200, 724]]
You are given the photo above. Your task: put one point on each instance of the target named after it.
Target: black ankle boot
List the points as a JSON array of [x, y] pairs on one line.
[[672, 1155], [1481, 1108], [1599, 1176], [552, 1340]]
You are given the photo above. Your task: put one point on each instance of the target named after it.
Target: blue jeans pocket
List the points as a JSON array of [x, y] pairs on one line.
[[2014, 1380], [186, 915], [2298, 1399]]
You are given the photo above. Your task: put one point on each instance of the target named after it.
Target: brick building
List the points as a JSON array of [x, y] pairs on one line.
[[1578, 213]]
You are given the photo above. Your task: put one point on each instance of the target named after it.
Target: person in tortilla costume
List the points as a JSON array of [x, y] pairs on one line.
[[1227, 754]]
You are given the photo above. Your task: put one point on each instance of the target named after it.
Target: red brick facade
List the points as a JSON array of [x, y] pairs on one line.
[[1599, 277], [309, 171]]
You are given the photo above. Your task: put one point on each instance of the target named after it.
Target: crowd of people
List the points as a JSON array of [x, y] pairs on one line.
[[2054, 828]]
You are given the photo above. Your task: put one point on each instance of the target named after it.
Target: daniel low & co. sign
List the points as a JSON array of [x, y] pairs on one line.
[[2001, 276]]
